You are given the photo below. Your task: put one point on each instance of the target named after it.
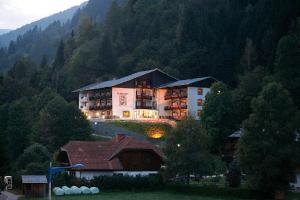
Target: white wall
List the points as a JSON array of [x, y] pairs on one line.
[[135, 173], [161, 103], [193, 100], [89, 175], [84, 101], [130, 98], [296, 184]]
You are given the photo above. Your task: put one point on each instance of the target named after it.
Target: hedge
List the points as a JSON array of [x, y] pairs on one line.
[[115, 182]]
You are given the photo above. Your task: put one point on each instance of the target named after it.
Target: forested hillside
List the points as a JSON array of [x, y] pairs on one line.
[[41, 38], [243, 43]]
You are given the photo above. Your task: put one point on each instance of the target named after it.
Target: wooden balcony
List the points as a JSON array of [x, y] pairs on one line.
[[144, 96], [176, 96], [99, 97], [101, 107], [175, 107], [145, 107]]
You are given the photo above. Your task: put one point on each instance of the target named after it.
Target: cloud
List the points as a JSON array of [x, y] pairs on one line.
[[15, 13]]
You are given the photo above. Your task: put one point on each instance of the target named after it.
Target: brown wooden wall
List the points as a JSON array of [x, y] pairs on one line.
[[34, 190], [140, 160]]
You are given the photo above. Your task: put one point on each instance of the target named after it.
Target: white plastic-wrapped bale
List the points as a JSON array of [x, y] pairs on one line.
[[59, 192], [67, 190], [85, 190], [75, 190], [54, 189], [95, 190]]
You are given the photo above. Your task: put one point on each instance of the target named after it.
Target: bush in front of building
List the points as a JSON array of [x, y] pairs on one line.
[[115, 182], [213, 191], [234, 174], [129, 183]]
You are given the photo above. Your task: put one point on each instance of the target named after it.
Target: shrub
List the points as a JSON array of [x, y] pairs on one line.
[[115, 182], [128, 183], [214, 191], [234, 175]]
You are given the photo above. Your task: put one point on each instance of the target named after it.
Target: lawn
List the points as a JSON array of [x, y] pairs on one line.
[[135, 196], [144, 127], [162, 195]]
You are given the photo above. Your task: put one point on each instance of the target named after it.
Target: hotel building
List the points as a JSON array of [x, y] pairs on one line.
[[151, 94]]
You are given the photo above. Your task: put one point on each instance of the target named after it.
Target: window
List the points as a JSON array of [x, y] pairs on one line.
[[199, 113], [200, 91], [200, 102], [126, 114]]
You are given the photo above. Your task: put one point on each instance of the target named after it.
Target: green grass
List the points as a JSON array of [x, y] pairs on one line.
[[162, 195], [135, 196], [143, 127]]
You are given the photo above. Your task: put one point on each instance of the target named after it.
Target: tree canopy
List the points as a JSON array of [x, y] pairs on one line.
[[267, 148]]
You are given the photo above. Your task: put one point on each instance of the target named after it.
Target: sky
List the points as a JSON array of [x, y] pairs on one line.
[[15, 13]]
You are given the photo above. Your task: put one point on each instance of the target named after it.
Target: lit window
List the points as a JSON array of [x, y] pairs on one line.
[[200, 102], [126, 114], [200, 91]]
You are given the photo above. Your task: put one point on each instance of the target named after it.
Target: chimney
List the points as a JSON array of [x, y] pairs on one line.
[[119, 137]]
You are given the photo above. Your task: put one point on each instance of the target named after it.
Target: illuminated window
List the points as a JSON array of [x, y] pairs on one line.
[[126, 114], [200, 102], [200, 91]]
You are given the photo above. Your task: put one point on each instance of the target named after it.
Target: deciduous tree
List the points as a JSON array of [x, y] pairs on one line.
[[267, 148], [219, 116]]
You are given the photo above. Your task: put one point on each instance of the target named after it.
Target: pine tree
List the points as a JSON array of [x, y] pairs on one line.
[[287, 63]]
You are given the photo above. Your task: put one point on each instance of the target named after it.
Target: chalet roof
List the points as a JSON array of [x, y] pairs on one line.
[[186, 82], [237, 134], [112, 83], [102, 155], [34, 179]]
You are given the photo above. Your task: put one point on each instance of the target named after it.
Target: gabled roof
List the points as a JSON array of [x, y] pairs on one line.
[[186, 82], [237, 134], [34, 179], [130, 143], [102, 155], [112, 83]]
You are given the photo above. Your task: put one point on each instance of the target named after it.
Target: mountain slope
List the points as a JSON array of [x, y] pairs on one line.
[[37, 43], [3, 31], [62, 17]]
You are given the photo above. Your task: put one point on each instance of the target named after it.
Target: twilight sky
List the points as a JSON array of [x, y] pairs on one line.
[[15, 13]]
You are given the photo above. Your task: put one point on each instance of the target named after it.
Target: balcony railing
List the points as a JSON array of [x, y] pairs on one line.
[[102, 107], [144, 96], [176, 95], [145, 107], [102, 96], [175, 107]]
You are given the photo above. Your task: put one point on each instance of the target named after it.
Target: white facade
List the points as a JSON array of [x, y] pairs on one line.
[[296, 183], [123, 103], [162, 103], [193, 101], [84, 101]]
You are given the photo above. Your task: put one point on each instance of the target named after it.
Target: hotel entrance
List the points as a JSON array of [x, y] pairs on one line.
[[141, 114]]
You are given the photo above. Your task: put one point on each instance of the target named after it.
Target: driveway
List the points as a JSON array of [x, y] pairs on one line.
[[3, 197], [8, 196]]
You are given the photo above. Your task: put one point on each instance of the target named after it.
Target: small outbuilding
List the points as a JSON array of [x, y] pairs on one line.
[[34, 185]]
